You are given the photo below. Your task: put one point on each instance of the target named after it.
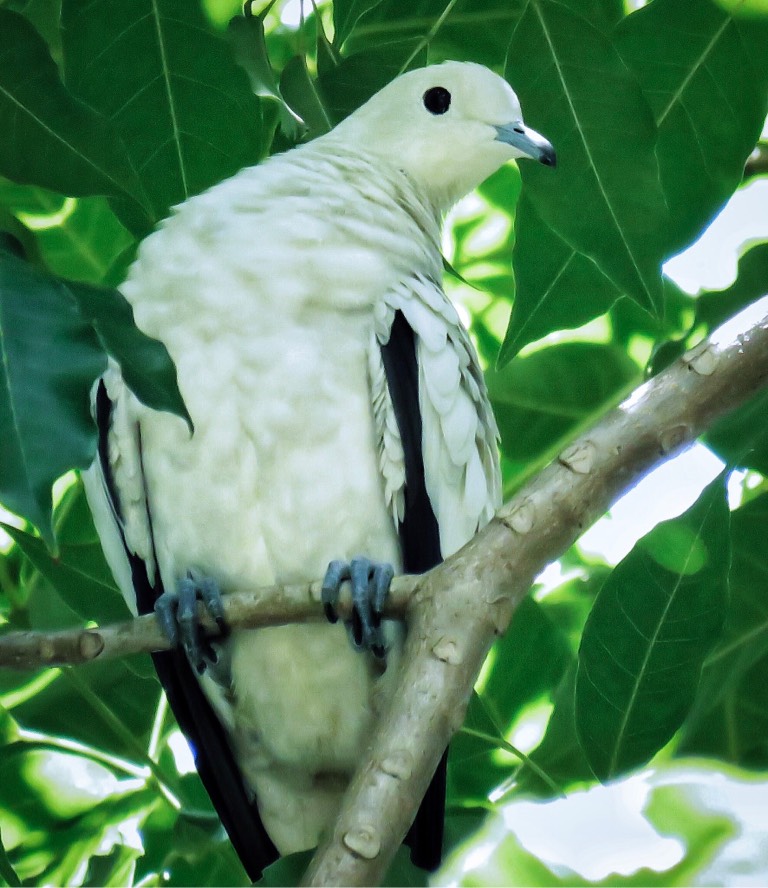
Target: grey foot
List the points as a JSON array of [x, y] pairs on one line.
[[370, 586], [177, 614]]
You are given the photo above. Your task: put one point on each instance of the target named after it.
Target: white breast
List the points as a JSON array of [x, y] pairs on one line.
[[263, 291]]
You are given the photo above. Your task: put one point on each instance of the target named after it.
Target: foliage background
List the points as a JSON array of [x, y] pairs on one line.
[[112, 112]]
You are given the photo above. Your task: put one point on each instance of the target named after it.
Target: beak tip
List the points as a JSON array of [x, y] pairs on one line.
[[548, 156]]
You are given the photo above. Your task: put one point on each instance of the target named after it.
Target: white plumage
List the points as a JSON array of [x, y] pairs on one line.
[[274, 292]]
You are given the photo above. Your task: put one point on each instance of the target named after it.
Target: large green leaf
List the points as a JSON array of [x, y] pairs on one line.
[[145, 363], [171, 88], [49, 138], [705, 74], [656, 619], [730, 717], [556, 286], [605, 198], [551, 391], [50, 358]]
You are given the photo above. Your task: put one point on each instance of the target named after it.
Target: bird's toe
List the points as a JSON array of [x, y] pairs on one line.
[[177, 613]]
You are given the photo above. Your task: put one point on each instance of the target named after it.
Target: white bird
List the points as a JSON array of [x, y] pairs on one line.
[[339, 411]]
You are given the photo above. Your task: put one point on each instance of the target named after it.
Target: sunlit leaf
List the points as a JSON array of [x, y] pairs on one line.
[[556, 286], [550, 391], [87, 595], [605, 198], [707, 83]]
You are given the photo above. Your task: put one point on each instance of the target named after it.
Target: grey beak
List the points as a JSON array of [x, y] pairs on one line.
[[531, 143]]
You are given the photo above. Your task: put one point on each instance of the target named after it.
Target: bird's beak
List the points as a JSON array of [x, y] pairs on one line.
[[527, 141]]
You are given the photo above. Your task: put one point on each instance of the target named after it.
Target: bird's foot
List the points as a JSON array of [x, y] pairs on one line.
[[177, 613], [370, 582]]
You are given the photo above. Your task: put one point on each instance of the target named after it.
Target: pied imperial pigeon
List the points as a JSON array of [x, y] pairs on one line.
[[341, 430]]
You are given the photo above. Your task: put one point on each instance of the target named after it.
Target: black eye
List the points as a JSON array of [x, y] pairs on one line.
[[437, 100]]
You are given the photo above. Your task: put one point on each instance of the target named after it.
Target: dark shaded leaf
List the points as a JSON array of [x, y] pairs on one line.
[[713, 308], [50, 139], [250, 48], [50, 359], [357, 77], [472, 30], [303, 95], [145, 363], [740, 438], [346, 14], [552, 390], [654, 622], [730, 718], [182, 105]]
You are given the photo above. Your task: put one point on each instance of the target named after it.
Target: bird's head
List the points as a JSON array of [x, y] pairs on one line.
[[447, 126]]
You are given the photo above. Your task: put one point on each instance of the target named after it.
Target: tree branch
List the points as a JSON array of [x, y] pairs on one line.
[[463, 604], [268, 606], [455, 612]]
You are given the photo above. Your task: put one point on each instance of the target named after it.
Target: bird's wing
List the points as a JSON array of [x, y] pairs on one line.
[[437, 455], [116, 491], [458, 440]]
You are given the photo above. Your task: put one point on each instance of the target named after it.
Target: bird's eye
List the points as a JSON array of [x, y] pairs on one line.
[[437, 100]]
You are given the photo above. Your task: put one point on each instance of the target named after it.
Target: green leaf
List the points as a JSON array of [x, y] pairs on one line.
[[358, 76], [145, 363], [556, 286], [707, 81], [346, 14], [85, 242], [250, 49], [49, 359], [50, 139], [654, 622], [715, 307], [552, 390], [473, 30], [87, 595], [605, 198], [730, 717], [182, 105], [741, 438], [7, 872], [303, 95]]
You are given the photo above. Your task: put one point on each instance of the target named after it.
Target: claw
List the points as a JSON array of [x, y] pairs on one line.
[[177, 613], [337, 572], [370, 586]]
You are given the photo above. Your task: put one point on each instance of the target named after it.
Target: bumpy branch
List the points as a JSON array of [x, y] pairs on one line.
[[268, 606], [455, 612], [462, 605]]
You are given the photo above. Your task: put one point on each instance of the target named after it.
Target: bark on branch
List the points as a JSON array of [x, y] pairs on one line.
[[462, 605], [455, 612], [268, 606]]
